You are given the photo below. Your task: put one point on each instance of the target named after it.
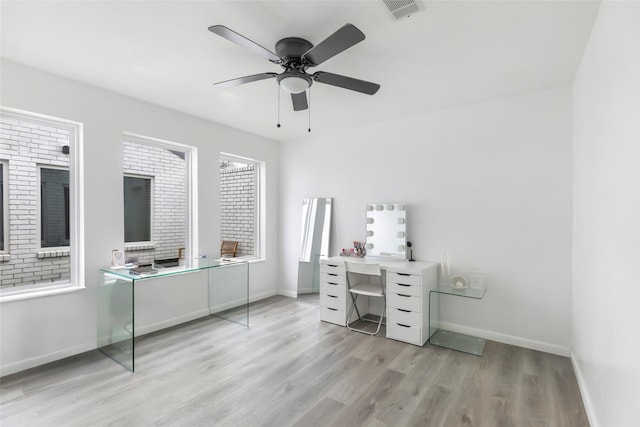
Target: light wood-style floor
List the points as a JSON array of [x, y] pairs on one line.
[[290, 369]]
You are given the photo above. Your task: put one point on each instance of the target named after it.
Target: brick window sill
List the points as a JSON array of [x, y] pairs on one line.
[[5, 257], [53, 253], [139, 246]]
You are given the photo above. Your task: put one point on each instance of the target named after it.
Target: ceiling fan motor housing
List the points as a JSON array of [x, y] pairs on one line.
[[292, 48]]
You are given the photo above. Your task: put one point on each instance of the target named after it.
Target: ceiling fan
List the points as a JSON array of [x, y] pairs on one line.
[[296, 55]]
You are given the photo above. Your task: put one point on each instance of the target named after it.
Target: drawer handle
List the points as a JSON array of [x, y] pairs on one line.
[[332, 274], [332, 265], [404, 326], [403, 295], [403, 274], [331, 283], [403, 310], [332, 296], [402, 284], [332, 309]]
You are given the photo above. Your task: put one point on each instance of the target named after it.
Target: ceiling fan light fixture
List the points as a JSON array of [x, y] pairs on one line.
[[294, 82]]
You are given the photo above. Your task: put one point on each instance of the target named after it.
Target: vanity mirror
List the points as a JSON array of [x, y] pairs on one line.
[[314, 242], [386, 230]]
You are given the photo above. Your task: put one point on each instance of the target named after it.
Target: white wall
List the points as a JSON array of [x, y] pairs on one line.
[[491, 183], [38, 330], [606, 248]]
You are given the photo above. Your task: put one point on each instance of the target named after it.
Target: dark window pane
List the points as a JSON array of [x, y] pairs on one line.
[[54, 207], [137, 209], [66, 214]]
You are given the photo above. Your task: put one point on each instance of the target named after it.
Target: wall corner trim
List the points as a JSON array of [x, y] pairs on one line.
[[584, 392]]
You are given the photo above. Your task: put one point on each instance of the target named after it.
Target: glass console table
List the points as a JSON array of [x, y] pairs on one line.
[[448, 339], [228, 298]]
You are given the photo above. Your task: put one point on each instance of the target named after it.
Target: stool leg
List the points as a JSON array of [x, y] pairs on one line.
[[353, 305], [384, 308], [354, 297]]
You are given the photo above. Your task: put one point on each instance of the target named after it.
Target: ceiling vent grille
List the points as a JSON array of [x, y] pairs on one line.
[[403, 8]]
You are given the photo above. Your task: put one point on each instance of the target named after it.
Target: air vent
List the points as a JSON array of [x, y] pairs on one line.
[[403, 8]]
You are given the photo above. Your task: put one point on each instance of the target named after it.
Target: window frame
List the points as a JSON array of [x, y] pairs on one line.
[[5, 205], [151, 209], [76, 210], [191, 187], [40, 223], [260, 206]]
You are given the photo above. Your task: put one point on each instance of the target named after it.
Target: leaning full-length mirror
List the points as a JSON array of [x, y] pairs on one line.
[[314, 243]]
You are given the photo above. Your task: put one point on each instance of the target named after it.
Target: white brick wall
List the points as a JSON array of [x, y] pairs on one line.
[[169, 198], [25, 145], [238, 207]]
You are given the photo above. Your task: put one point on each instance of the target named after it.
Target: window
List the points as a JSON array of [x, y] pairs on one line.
[[54, 208], [241, 204], [137, 209], [43, 252], [3, 208], [159, 218]]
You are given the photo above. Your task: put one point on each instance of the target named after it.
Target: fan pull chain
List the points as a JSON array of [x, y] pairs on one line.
[[278, 125], [309, 96]]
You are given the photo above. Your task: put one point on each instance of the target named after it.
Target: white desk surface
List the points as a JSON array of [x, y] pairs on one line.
[[385, 263]]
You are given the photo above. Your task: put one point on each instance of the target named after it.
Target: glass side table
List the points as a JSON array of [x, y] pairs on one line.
[[448, 339]]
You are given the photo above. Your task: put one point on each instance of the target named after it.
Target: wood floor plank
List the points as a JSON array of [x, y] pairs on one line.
[[290, 369], [405, 398], [323, 413]]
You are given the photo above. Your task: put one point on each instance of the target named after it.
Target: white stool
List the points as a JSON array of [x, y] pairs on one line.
[[358, 286]]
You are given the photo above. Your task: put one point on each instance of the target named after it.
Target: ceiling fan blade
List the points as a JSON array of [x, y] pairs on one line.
[[241, 40], [299, 101], [346, 82], [341, 40], [243, 80]]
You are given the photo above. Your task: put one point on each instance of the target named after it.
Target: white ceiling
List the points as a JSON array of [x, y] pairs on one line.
[[452, 54]]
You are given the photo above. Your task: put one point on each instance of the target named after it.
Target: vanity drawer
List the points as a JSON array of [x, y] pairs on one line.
[[409, 318], [406, 333], [404, 301], [401, 288], [333, 301], [335, 268], [333, 315], [333, 278], [332, 288], [407, 279]]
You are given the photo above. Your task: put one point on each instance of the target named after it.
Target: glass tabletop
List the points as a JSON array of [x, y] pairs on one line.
[[477, 293], [146, 272]]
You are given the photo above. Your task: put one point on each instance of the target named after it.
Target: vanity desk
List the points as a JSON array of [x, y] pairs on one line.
[[407, 293]]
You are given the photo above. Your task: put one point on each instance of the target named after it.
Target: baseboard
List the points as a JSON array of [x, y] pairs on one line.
[[262, 295], [287, 293], [584, 392], [32, 362], [167, 323], [508, 339]]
